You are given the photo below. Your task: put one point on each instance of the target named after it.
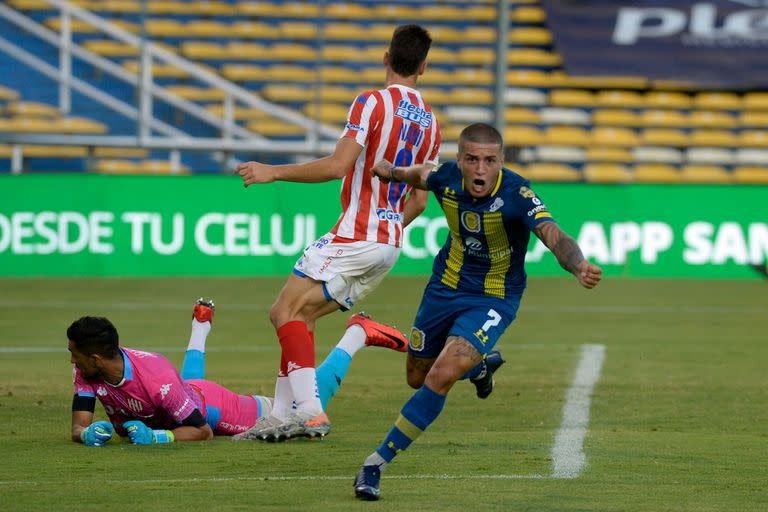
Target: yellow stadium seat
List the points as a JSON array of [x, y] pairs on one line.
[[480, 13], [290, 52], [665, 99], [705, 174], [107, 152], [571, 98], [533, 36], [344, 53], [379, 32], [656, 173], [28, 125], [607, 173], [478, 35], [168, 7], [613, 136], [242, 73], [332, 113], [663, 118], [474, 76], [30, 5], [528, 78], [450, 132], [75, 25], [473, 96], [602, 82], [196, 93], [567, 135], [298, 30], [259, 9], [237, 50], [116, 166], [471, 55], [552, 172], [209, 8], [608, 154], [756, 101], [275, 128], [79, 125], [162, 27], [159, 167], [240, 113], [282, 93], [346, 32], [435, 96], [664, 137], [111, 48], [254, 30], [7, 94], [711, 119], [198, 50], [289, 73], [532, 57], [517, 135], [54, 151], [390, 11], [757, 119], [121, 6], [619, 99], [560, 115], [446, 34], [207, 28], [521, 115], [31, 109], [713, 138], [751, 175], [442, 13], [158, 70], [528, 14], [717, 101], [753, 138], [615, 117], [655, 154], [437, 55]]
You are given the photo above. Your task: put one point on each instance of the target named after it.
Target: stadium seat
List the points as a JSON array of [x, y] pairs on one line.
[[158, 70], [386, 11], [619, 99], [30, 109], [475, 55], [531, 57], [450, 132], [291, 52], [530, 36], [473, 77], [656, 173], [107, 152], [473, 96], [753, 138], [664, 137], [520, 115], [564, 116], [754, 119], [601, 82], [607, 173], [109, 48], [193, 93], [713, 138], [711, 119], [704, 155], [7, 94], [665, 99], [480, 13], [79, 125], [567, 135], [199, 50], [655, 154], [116, 166], [331, 113], [666, 118], [752, 157], [442, 13], [571, 98], [297, 30], [346, 32], [717, 101], [474, 114], [610, 136], [616, 117], [280, 72], [34, 151], [565, 154], [517, 96], [159, 167], [608, 154], [528, 15], [755, 101], [435, 96], [750, 175], [275, 128], [446, 34], [239, 113], [238, 50], [164, 27], [207, 28], [529, 78], [522, 136], [477, 34], [705, 174], [255, 30], [552, 172]]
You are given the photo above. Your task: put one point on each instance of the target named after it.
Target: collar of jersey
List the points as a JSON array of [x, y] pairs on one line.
[[495, 189], [401, 86], [127, 371]]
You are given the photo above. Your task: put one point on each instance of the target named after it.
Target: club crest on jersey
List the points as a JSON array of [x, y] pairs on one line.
[[471, 221], [527, 193], [413, 113], [416, 340], [496, 204]]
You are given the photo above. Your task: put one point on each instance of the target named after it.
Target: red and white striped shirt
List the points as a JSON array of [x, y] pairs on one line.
[[393, 124]]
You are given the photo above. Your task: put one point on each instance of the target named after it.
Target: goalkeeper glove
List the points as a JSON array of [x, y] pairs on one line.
[[97, 433], [139, 433]]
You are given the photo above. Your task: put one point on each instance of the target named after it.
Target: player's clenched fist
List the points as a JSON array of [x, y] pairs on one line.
[[139, 433], [589, 274], [383, 170], [97, 433], [255, 172]]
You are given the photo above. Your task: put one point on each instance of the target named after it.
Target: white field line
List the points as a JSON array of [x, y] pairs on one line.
[[568, 457], [153, 306], [279, 478]]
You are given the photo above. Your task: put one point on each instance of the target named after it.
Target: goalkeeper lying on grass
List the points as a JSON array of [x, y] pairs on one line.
[[149, 402]]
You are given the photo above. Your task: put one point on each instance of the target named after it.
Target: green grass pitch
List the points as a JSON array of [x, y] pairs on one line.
[[677, 422]]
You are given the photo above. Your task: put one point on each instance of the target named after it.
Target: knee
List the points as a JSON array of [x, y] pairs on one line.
[[277, 314], [441, 379], [415, 379]]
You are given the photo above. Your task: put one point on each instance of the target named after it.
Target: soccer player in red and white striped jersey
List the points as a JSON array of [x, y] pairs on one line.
[[335, 272]]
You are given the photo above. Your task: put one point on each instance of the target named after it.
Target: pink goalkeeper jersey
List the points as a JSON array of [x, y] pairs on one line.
[[152, 391], [393, 124]]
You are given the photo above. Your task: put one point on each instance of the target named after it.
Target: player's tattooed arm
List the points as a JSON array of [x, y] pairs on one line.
[[568, 254], [414, 175]]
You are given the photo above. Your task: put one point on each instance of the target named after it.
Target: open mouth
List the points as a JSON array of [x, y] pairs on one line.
[[478, 185]]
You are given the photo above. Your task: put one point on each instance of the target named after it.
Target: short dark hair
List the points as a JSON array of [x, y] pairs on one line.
[[94, 335], [480, 133], [408, 49]]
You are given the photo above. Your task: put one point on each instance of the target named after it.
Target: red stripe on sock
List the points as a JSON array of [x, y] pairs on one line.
[[298, 346]]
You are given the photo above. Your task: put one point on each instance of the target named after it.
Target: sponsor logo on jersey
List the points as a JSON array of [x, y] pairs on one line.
[[101, 391], [536, 210], [416, 339], [496, 204], [355, 127], [413, 113], [387, 214], [471, 221], [164, 390], [449, 192], [527, 193], [473, 243], [181, 409], [481, 336], [135, 405], [142, 354]]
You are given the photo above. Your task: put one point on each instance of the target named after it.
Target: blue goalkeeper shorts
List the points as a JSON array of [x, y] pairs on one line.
[[444, 312]]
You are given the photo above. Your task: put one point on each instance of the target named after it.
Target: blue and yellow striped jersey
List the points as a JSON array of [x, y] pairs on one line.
[[488, 239]]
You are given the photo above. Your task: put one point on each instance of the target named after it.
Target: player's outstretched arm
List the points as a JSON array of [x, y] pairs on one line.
[[568, 254], [139, 433], [414, 175], [324, 169]]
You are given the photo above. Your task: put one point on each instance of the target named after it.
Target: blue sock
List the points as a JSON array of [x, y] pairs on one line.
[[417, 414], [331, 373], [474, 372], [194, 365]]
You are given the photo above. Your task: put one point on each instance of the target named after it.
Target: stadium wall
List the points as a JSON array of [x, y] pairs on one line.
[[95, 225]]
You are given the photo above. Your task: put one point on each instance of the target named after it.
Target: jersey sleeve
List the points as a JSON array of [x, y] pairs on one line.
[[434, 154], [82, 388], [531, 207], [364, 115], [439, 179]]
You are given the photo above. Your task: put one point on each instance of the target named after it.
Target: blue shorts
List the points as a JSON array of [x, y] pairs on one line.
[[444, 312]]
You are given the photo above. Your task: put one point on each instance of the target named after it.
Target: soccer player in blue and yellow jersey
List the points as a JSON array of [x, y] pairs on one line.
[[477, 280]]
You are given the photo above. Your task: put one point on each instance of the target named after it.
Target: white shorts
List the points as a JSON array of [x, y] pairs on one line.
[[349, 271]]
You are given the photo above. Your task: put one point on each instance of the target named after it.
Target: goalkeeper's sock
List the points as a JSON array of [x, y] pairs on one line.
[[194, 360], [353, 340], [331, 373], [418, 413]]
